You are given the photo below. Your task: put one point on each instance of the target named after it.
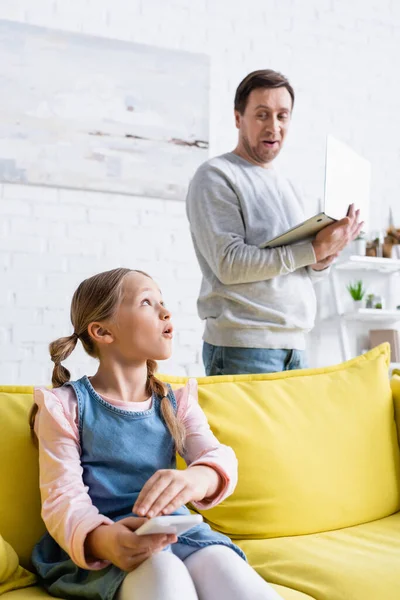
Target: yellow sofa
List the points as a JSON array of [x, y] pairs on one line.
[[317, 506]]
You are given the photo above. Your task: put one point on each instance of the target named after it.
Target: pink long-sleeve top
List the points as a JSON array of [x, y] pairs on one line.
[[67, 509]]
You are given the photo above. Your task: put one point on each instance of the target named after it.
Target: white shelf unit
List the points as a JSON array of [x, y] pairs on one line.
[[372, 314], [389, 267], [369, 263]]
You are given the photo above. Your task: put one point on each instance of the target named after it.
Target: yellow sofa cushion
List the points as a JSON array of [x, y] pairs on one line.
[[317, 449], [38, 593], [32, 593], [20, 522], [356, 563], [12, 575]]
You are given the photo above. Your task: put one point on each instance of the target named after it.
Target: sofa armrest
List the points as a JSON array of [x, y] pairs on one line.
[[395, 385]]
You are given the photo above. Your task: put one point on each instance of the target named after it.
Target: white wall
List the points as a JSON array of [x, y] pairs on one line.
[[341, 57]]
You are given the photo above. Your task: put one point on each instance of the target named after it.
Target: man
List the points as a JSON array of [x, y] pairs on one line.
[[258, 304]]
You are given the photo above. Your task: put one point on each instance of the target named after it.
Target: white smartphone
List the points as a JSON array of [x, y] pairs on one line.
[[169, 524]]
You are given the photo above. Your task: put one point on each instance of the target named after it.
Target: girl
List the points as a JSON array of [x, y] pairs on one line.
[[107, 462]]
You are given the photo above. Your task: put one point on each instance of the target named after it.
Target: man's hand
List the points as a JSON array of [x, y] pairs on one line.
[[119, 544], [325, 263], [331, 240], [169, 489]]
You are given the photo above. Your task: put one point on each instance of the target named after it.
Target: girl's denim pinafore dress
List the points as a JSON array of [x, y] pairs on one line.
[[120, 451]]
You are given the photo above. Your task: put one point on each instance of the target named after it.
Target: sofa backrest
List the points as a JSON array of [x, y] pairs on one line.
[[317, 450], [20, 522]]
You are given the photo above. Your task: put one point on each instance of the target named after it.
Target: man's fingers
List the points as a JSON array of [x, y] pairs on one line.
[[358, 230], [343, 223]]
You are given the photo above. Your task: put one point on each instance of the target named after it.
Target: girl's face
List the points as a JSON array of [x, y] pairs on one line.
[[142, 328]]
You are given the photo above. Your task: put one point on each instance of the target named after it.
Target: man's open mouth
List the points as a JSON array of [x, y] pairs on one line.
[[270, 142]]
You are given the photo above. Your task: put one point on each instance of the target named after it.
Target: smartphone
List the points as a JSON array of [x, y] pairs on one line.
[[169, 524]]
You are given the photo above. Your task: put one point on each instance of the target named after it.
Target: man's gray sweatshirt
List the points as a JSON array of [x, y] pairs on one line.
[[250, 297]]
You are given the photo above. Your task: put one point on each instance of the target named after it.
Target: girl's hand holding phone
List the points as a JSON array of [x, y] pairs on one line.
[[169, 489], [119, 544]]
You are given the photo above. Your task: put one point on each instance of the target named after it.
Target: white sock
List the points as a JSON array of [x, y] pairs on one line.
[[163, 576], [219, 573]]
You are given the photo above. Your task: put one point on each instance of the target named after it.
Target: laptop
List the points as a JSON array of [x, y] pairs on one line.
[[347, 181]]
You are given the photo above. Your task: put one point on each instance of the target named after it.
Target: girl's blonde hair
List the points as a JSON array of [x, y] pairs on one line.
[[97, 299]]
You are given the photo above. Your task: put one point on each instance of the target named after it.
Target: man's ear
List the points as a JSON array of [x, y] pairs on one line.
[[237, 119], [100, 334]]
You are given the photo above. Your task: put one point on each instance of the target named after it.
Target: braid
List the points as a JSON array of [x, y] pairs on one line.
[[60, 349], [175, 426], [154, 384]]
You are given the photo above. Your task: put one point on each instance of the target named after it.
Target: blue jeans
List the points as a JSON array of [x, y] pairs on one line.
[[227, 360]]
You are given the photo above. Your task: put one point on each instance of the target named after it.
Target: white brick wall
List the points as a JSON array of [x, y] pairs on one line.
[[340, 57], [51, 244]]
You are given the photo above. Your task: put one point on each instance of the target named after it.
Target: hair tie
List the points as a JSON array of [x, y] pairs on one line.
[[75, 336]]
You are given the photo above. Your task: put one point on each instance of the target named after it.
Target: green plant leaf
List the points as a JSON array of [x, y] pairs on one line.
[[356, 290]]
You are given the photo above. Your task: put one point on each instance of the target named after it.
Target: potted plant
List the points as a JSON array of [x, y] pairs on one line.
[[379, 302], [370, 301], [360, 245], [357, 292]]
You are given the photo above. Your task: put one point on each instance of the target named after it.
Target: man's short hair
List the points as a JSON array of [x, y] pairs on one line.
[[264, 78]]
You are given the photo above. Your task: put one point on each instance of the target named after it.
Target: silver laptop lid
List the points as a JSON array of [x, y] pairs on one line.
[[347, 180]]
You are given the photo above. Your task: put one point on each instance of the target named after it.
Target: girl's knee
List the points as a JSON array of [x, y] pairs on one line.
[[220, 573], [164, 565], [163, 576], [211, 558]]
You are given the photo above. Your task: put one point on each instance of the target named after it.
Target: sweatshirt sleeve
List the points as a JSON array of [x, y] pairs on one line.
[[217, 227], [67, 509], [317, 276], [203, 448]]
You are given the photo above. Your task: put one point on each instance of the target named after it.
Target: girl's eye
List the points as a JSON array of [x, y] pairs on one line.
[[146, 301]]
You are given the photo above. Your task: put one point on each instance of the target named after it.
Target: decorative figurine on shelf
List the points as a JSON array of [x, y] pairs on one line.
[[391, 247], [385, 244], [374, 247]]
